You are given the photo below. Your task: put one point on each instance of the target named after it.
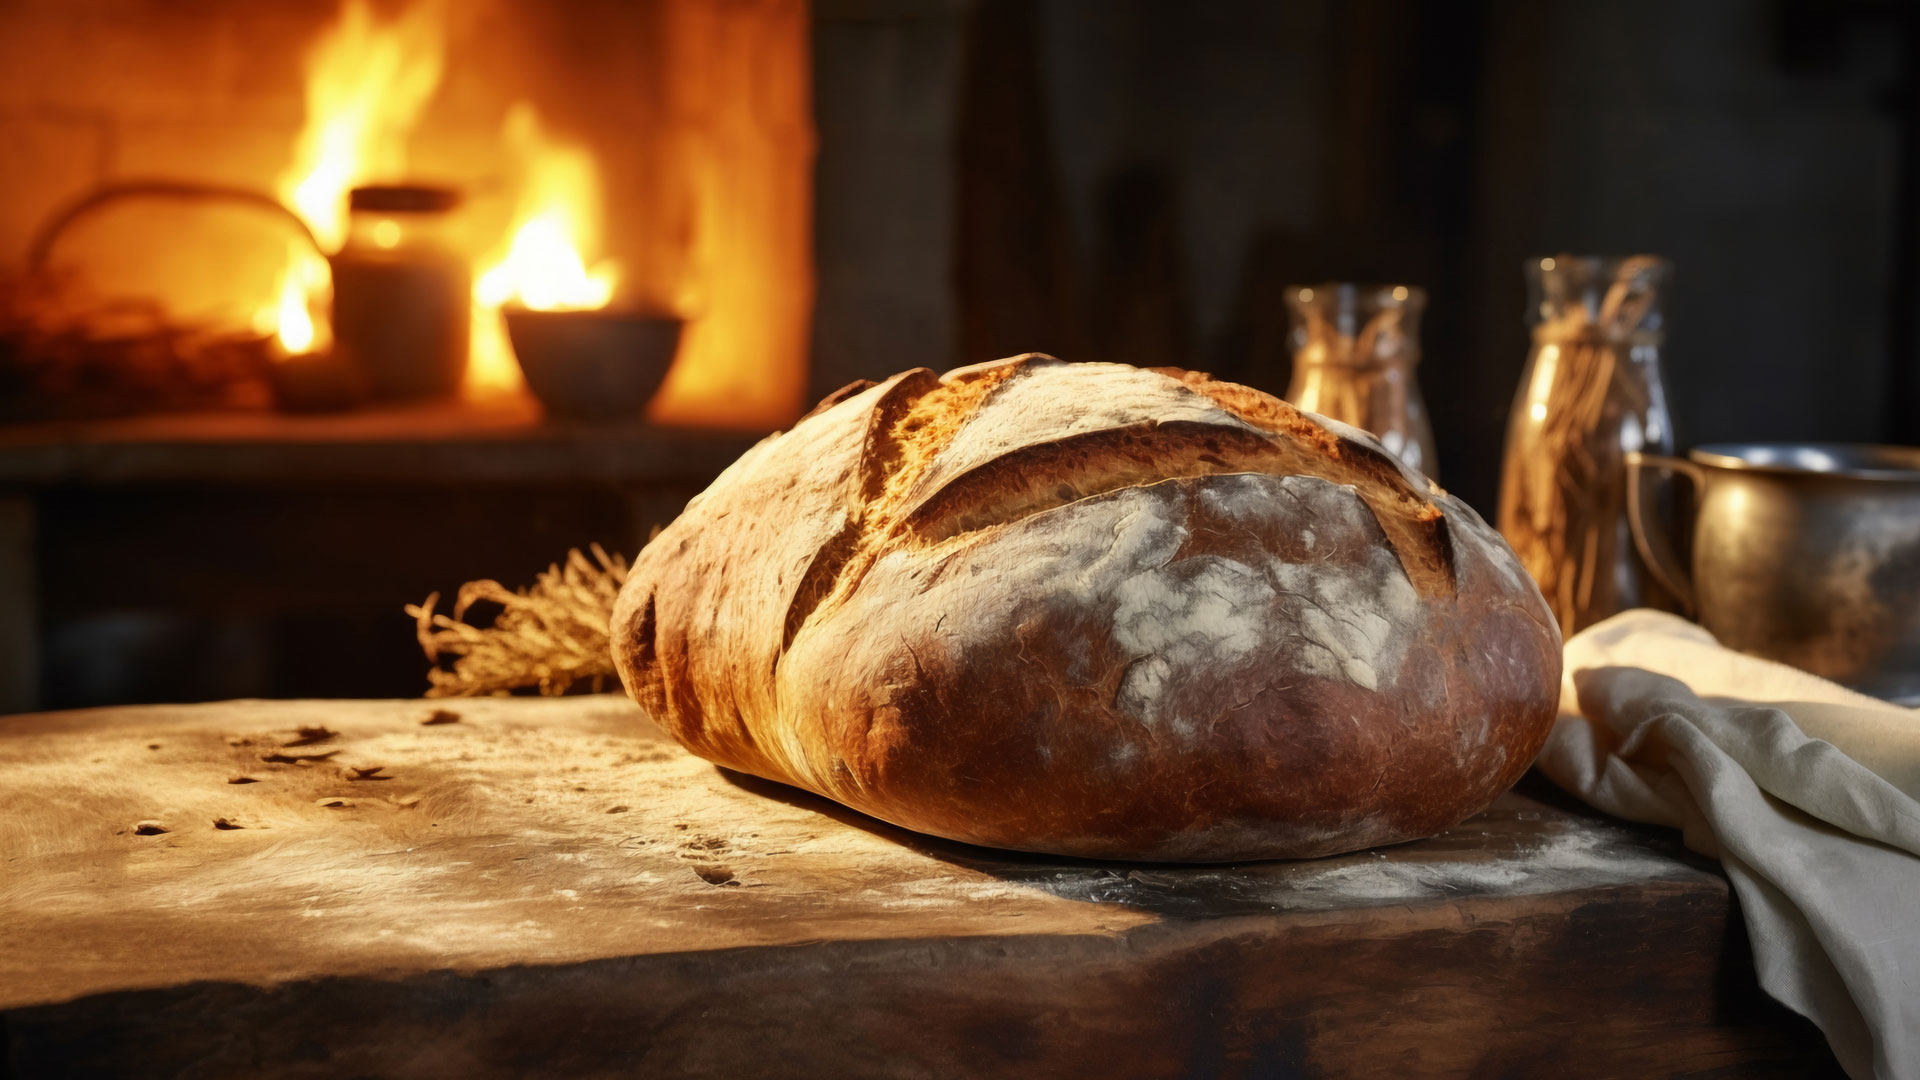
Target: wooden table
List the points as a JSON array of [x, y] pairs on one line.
[[551, 888], [344, 498]]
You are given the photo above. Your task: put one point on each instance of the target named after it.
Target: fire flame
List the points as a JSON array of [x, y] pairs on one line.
[[544, 271], [556, 216], [294, 322], [368, 83], [734, 196], [289, 318]]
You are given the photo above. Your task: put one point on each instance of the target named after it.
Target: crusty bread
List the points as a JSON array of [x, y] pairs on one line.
[[1094, 610]]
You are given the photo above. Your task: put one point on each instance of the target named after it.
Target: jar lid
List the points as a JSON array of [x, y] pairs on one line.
[[403, 198]]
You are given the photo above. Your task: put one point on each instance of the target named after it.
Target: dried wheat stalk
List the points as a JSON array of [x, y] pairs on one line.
[[1563, 493], [552, 636]]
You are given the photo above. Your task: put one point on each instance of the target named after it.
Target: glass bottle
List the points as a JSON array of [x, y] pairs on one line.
[[402, 291], [1591, 392], [1354, 351]]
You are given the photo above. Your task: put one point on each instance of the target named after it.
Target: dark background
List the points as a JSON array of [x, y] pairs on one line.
[[1138, 181]]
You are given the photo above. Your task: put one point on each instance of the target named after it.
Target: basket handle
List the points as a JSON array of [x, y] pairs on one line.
[[51, 229]]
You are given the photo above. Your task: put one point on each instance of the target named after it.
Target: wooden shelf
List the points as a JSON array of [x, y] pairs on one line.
[[504, 442], [263, 512]]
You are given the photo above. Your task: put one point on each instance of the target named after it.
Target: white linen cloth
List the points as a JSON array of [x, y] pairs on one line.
[[1807, 793]]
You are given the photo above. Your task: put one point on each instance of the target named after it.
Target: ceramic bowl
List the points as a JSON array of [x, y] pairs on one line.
[[593, 365]]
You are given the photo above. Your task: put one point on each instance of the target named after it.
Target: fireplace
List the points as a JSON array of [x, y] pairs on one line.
[[651, 156], [237, 435]]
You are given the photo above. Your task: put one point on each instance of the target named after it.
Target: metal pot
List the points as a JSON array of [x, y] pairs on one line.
[[1806, 553]]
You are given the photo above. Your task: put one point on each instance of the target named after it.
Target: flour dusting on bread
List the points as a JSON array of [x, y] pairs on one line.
[[1193, 615]]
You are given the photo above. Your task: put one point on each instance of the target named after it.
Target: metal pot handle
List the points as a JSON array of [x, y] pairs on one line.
[[1656, 548]]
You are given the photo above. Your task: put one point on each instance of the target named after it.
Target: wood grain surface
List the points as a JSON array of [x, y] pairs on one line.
[[551, 888]]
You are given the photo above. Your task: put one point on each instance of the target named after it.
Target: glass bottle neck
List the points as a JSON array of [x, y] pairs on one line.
[[1333, 353], [1574, 332], [1344, 325]]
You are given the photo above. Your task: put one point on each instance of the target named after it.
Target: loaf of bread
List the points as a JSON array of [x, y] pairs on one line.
[[1095, 610]]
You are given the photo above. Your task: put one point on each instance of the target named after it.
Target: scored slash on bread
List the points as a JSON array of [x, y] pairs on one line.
[[1091, 609], [942, 456]]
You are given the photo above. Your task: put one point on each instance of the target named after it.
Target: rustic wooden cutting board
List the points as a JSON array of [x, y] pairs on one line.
[[551, 887]]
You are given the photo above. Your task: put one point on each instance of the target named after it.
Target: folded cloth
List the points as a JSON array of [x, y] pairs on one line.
[[1807, 793]]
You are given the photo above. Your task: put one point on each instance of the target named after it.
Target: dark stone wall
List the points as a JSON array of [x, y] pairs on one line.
[[1138, 181]]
